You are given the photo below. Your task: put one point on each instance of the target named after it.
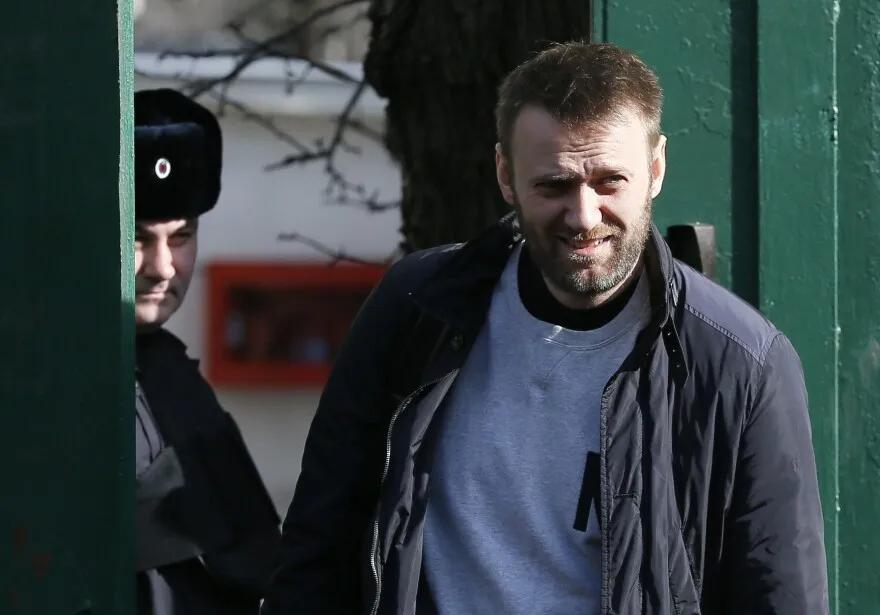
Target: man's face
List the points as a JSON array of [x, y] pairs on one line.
[[164, 258], [583, 199]]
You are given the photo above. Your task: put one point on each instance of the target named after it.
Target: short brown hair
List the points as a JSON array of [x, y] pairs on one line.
[[579, 83]]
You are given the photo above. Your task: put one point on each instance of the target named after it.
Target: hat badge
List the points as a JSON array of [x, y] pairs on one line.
[[163, 168]]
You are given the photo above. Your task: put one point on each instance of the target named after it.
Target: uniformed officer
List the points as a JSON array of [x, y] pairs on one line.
[[207, 530]]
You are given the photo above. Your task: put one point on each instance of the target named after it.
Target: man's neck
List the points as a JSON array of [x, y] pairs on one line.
[[540, 302]]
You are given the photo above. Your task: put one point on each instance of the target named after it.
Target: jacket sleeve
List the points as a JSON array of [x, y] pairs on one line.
[[774, 556], [325, 534]]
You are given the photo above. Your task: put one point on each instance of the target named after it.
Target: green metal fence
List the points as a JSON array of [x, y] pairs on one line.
[[66, 331]]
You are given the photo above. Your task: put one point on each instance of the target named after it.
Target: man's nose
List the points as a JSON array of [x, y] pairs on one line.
[[159, 262], [584, 212]]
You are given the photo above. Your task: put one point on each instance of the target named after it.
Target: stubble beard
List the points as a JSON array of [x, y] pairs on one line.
[[588, 276]]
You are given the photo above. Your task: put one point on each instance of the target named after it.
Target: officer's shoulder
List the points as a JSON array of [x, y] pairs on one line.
[[165, 348], [162, 352], [170, 341]]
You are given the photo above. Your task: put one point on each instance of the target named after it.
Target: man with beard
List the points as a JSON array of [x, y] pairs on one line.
[[559, 417], [206, 530]]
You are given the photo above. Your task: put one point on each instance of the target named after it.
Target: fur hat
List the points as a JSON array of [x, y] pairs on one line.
[[178, 156]]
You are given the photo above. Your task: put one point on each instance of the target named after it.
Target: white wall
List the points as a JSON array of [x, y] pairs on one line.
[[196, 25], [255, 206]]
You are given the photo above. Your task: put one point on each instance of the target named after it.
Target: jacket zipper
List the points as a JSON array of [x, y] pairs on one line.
[[374, 549], [604, 596]]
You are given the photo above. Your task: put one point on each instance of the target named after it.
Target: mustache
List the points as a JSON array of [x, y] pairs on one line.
[[598, 232]]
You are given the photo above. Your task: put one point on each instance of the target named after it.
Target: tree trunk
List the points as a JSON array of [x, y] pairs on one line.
[[439, 63]]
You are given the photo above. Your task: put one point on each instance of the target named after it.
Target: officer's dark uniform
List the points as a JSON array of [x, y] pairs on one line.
[[207, 530]]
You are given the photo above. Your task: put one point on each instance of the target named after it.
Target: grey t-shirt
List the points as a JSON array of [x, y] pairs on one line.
[[509, 467]]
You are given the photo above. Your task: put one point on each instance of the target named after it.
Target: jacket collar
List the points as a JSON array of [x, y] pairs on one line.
[[460, 291]]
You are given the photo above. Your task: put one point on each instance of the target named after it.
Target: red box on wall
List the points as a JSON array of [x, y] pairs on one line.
[[277, 324]]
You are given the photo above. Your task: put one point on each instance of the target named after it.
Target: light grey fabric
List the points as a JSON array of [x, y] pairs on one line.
[[510, 461]]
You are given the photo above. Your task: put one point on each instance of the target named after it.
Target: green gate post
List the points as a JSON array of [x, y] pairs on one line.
[[773, 115], [66, 321], [820, 255], [858, 92], [799, 240]]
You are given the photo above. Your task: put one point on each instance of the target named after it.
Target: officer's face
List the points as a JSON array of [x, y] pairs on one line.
[[164, 258]]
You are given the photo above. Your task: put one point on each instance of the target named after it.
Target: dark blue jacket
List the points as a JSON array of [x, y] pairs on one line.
[[709, 501], [223, 507]]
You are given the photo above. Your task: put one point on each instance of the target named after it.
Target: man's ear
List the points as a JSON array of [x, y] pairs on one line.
[[658, 167], [504, 175]]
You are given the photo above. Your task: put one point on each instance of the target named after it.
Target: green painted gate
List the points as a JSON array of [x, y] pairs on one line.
[[66, 318], [773, 117], [773, 114]]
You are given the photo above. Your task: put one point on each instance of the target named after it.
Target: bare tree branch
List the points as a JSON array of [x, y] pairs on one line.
[[339, 190], [328, 152], [336, 256], [197, 86], [330, 31], [268, 47], [263, 122]]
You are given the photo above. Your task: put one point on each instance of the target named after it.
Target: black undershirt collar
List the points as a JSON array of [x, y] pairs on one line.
[[541, 304]]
